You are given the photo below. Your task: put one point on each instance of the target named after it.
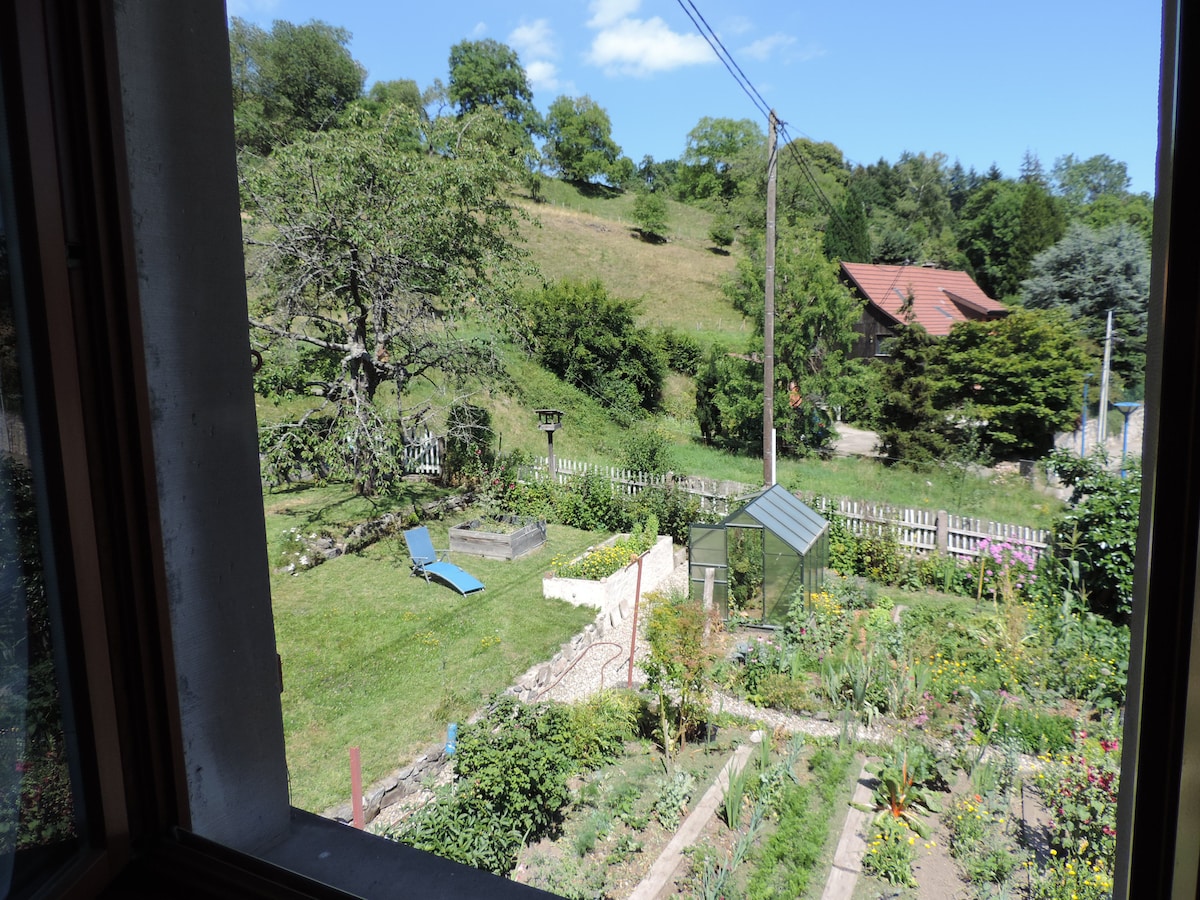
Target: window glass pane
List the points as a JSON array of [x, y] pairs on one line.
[[37, 809]]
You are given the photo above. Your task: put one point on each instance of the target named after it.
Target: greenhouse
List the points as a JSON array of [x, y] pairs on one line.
[[763, 556]]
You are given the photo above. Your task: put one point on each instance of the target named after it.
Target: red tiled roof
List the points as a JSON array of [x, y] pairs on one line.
[[941, 297]]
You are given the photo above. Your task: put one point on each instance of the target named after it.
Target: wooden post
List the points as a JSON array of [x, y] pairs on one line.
[[942, 522], [356, 794], [637, 599], [769, 317]]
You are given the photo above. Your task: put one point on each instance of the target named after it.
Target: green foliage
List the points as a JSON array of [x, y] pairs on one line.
[[495, 807], [814, 328], [912, 429], [745, 571], [890, 854], [901, 794], [683, 352], [377, 291], [673, 794], [1003, 226], [846, 237], [788, 861], [1033, 731], [580, 144], [1094, 543], [489, 74], [682, 650], [293, 79], [603, 561], [468, 442], [650, 216], [719, 155], [721, 233], [1091, 272], [1080, 789], [729, 401], [1084, 181], [592, 341], [647, 450]]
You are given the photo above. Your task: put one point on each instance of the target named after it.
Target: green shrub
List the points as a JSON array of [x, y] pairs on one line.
[[1034, 732], [647, 450], [684, 353]]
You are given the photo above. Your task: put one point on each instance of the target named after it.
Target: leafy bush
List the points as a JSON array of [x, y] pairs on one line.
[[671, 800], [891, 853], [1033, 731], [650, 215], [468, 442], [1094, 542], [684, 353], [647, 450], [593, 341], [511, 770]]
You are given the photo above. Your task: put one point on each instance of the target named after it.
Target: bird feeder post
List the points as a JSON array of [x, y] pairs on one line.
[[550, 420]]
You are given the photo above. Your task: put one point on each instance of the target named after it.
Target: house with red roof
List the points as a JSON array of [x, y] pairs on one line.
[[934, 298]]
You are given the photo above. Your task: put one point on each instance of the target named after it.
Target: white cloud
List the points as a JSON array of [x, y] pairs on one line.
[[542, 75], [764, 48], [641, 47], [479, 30], [533, 40], [610, 12]]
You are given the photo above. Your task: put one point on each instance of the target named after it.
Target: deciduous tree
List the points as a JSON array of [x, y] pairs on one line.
[[1021, 375], [592, 340], [580, 143], [372, 257], [293, 79], [488, 73]]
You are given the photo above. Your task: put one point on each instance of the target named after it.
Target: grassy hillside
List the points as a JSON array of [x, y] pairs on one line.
[[679, 282]]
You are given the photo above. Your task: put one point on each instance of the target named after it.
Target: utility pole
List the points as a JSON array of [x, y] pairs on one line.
[[1102, 412], [769, 317]]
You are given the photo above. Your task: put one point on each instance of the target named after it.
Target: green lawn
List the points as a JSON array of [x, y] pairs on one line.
[[378, 659]]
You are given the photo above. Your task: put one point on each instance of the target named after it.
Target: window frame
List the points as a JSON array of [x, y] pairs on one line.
[[125, 133]]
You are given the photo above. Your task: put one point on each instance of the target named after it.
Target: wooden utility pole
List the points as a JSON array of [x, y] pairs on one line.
[[1102, 413], [769, 318]]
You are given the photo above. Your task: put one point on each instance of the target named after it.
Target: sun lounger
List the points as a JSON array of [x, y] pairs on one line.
[[428, 562]]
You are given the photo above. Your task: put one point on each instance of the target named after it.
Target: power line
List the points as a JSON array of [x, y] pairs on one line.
[[711, 38]]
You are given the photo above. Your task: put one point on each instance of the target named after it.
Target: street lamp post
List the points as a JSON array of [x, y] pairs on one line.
[[1127, 408]]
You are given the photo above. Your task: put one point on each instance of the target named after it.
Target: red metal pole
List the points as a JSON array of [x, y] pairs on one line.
[[637, 598], [356, 795]]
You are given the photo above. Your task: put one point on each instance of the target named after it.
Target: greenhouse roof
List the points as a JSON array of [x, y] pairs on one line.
[[780, 511]]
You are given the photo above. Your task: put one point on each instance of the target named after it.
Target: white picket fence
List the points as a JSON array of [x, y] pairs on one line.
[[917, 530], [927, 531], [423, 452]]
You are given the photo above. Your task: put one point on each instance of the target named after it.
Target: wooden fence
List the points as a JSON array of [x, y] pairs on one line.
[[716, 497], [423, 452], [917, 530], [927, 530]]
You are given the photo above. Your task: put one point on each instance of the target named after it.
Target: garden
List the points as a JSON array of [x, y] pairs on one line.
[[981, 698]]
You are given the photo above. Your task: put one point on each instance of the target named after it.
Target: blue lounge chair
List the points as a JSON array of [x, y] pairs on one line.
[[428, 562]]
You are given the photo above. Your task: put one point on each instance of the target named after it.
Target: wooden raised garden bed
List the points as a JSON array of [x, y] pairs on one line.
[[506, 539]]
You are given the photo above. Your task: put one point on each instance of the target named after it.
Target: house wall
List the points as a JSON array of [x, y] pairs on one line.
[[872, 326]]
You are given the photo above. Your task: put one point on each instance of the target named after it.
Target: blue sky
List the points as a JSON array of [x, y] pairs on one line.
[[981, 83]]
